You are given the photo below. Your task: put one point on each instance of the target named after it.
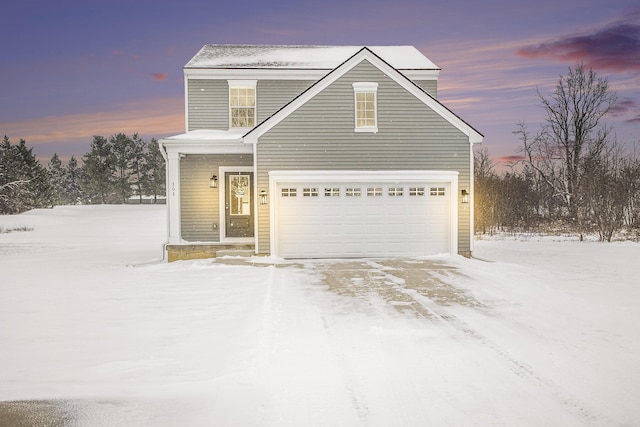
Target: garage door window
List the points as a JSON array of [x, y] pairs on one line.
[[331, 192], [289, 192], [351, 192], [416, 191], [309, 192], [395, 191], [374, 191], [436, 191]]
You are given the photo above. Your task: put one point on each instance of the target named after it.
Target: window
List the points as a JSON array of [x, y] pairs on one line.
[[240, 191], [366, 114], [395, 191], [416, 191], [289, 192], [374, 191], [353, 192], [242, 103], [309, 192], [436, 191], [331, 192]]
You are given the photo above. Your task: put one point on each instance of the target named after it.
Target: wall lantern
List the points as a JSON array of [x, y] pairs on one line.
[[465, 196], [214, 181], [263, 197]]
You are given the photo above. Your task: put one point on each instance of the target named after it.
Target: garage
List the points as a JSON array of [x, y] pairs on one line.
[[362, 214]]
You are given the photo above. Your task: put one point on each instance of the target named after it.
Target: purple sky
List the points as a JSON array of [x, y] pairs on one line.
[[74, 68]]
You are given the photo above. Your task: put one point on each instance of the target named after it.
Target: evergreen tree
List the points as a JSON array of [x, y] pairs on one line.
[[137, 164], [24, 183], [155, 171], [72, 181], [97, 171], [122, 147], [58, 179]]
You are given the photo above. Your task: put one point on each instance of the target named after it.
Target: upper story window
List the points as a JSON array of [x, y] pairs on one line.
[[242, 103], [366, 94]]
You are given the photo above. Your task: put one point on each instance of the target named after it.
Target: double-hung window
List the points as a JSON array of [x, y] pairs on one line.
[[366, 103], [242, 103]]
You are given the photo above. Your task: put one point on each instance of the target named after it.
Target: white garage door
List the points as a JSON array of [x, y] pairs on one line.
[[355, 219]]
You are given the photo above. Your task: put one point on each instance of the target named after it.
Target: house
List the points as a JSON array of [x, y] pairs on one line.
[[318, 152]]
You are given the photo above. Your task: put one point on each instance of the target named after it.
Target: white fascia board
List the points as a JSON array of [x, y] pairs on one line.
[[206, 147], [254, 74], [186, 104], [474, 137]]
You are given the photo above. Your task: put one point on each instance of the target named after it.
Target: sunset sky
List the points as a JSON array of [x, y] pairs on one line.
[[76, 68]]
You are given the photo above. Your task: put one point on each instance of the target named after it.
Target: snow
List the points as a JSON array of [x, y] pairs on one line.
[[302, 57], [544, 334], [211, 135]]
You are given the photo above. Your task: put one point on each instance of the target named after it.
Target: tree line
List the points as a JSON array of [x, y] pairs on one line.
[[573, 176], [114, 170]]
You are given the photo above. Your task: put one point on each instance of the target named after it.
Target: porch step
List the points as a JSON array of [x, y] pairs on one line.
[[247, 253]]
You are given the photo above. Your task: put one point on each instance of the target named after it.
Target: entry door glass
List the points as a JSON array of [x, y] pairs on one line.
[[239, 204]]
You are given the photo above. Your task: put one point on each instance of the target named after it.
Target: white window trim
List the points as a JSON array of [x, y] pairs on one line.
[[365, 87], [244, 84]]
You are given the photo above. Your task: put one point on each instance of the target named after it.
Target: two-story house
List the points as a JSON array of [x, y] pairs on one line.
[[318, 152]]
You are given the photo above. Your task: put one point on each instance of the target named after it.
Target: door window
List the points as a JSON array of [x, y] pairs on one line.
[[240, 195]]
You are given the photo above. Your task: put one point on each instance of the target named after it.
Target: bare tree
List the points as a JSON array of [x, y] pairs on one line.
[[572, 134]]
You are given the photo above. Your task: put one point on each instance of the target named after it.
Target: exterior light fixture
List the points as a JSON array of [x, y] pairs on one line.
[[263, 197], [465, 196], [214, 181]]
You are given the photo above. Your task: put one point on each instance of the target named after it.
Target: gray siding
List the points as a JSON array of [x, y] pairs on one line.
[[429, 86], [199, 204], [208, 104], [209, 100], [274, 94], [320, 136]]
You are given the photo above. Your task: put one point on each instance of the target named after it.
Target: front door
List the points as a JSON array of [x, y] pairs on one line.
[[238, 204]]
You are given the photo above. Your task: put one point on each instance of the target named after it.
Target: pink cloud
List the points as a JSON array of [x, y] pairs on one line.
[[615, 47], [159, 77], [161, 117]]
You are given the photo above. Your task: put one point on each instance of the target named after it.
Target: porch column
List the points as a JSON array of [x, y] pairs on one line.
[[173, 194]]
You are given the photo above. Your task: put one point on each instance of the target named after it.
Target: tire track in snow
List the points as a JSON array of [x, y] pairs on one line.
[[521, 369]]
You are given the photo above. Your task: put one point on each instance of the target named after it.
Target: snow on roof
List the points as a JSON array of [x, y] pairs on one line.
[[210, 135], [302, 57]]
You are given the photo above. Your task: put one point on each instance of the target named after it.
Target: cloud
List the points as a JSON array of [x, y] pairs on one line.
[[614, 47], [159, 77], [509, 160], [117, 52], [154, 117], [624, 106]]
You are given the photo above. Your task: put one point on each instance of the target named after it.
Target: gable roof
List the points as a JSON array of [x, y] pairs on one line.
[[216, 56], [363, 54]]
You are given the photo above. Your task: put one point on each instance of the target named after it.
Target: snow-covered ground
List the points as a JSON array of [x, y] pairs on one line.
[[547, 334]]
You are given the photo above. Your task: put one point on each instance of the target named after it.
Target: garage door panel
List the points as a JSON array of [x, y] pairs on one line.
[[373, 223]]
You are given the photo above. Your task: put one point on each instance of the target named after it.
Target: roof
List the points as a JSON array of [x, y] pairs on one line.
[[219, 56], [360, 55]]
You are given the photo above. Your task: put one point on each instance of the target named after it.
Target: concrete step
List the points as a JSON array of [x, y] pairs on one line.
[[235, 252]]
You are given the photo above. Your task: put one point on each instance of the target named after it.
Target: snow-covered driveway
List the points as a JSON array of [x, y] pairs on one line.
[[548, 335]]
